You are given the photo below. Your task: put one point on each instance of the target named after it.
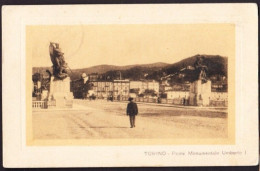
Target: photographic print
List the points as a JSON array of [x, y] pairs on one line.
[[164, 81], [130, 85]]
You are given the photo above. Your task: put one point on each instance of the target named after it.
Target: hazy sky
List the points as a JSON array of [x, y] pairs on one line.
[[89, 45]]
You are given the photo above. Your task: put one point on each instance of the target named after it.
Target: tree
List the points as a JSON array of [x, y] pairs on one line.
[[36, 77], [149, 92]]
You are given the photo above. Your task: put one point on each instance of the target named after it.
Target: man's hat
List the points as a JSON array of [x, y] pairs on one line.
[[130, 99]]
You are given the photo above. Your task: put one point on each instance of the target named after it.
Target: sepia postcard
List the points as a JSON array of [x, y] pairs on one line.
[[130, 85]]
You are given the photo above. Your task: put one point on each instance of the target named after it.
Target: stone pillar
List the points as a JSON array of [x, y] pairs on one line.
[[200, 93]]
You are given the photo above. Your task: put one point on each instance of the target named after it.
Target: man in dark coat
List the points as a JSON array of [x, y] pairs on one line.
[[132, 110]]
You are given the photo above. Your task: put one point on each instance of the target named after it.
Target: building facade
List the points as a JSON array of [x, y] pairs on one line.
[[93, 77], [144, 85], [136, 85], [121, 89], [102, 89], [153, 85], [221, 96], [177, 94]]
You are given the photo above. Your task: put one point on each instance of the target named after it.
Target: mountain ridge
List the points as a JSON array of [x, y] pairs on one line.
[[217, 65], [103, 68]]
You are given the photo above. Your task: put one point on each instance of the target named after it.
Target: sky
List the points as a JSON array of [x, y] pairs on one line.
[[90, 45]]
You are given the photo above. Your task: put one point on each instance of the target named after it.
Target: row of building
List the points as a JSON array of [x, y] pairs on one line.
[[116, 88], [122, 89]]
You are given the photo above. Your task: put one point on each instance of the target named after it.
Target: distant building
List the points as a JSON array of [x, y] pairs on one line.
[[136, 85], [219, 86], [167, 88], [121, 89], [102, 89], [93, 77], [221, 96], [153, 85], [177, 94], [175, 87], [145, 85]]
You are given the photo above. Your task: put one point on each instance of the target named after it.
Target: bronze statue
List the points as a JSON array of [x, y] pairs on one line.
[[201, 69], [60, 67]]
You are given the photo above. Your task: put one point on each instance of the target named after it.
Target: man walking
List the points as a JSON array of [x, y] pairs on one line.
[[132, 110]]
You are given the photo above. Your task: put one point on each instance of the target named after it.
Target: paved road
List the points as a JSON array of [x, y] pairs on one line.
[[101, 119]]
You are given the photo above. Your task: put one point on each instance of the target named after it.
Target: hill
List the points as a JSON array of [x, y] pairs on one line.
[[217, 65], [102, 69]]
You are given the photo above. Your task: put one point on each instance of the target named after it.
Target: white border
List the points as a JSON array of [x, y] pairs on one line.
[[15, 18]]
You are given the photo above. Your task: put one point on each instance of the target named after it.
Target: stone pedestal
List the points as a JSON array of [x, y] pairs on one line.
[[200, 93], [60, 93], [44, 95]]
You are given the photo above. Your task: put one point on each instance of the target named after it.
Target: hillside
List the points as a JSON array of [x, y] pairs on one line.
[[102, 69], [217, 65]]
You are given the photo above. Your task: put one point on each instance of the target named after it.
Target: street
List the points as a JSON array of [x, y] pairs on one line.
[[106, 120]]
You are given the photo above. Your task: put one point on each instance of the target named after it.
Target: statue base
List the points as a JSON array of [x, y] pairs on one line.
[[44, 95], [200, 93], [60, 95]]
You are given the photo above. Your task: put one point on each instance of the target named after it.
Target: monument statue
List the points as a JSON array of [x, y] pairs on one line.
[[59, 94], [201, 69], [200, 89], [60, 67]]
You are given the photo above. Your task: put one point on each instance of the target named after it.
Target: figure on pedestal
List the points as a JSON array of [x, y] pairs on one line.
[[59, 90], [200, 88], [60, 67], [201, 69]]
